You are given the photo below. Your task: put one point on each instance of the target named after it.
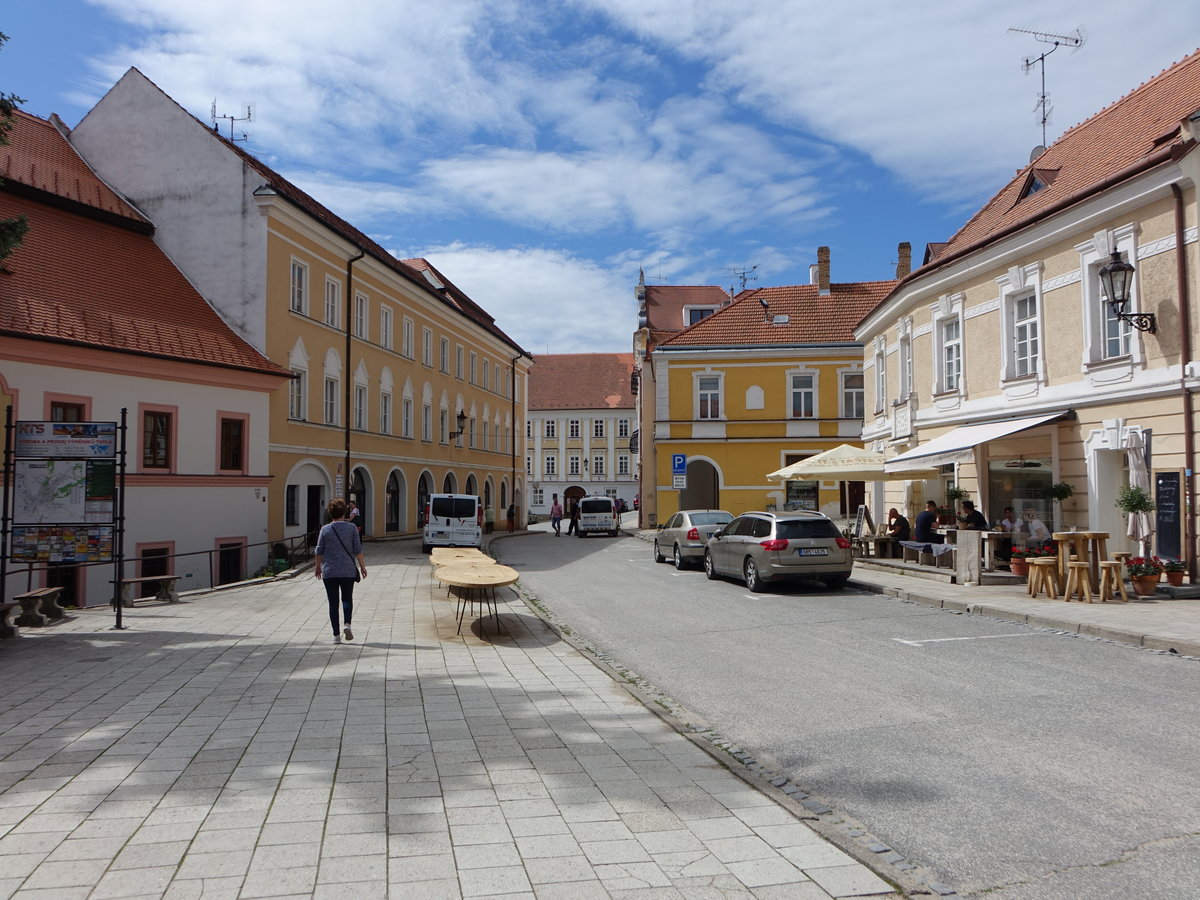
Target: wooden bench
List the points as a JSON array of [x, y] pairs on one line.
[[166, 589], [8, 627], [39, 605]]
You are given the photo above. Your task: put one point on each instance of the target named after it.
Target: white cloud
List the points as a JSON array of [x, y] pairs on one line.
[[548, 301]]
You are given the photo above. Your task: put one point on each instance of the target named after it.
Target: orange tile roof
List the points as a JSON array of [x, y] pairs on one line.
[[1136, 133], [665, 304], [811, 318], [88, 271], [581, 381]]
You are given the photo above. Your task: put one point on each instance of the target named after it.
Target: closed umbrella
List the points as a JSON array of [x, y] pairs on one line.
[[1140, 525]]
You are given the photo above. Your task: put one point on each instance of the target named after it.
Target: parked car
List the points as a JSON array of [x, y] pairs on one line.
[[452, 520], [684, 535], [598, 514], [762, 547]]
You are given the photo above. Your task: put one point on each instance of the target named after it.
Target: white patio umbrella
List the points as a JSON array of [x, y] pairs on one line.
[[1140, 525], [846, 463]]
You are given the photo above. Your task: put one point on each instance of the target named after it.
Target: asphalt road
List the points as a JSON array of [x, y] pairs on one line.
[[1006, 759]]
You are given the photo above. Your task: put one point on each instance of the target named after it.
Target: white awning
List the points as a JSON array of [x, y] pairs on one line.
[[959, 445]]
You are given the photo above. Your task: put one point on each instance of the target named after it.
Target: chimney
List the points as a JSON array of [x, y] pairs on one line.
[[823, 271], [904, 259]]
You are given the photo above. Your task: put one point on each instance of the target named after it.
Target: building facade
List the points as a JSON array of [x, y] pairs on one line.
[[402, 385], [581, 422], [772, 378], [94, 319], [1002, 360]]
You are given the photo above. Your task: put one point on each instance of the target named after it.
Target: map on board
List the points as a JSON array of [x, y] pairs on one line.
[[63, 491]]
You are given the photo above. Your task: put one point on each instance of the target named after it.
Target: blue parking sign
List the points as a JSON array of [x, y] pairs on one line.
[[678, 463]]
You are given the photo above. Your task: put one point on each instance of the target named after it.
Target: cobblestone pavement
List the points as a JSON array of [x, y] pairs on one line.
[[226, 747]]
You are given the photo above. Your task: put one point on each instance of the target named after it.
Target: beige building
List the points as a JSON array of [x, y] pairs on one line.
[[1001, 360]]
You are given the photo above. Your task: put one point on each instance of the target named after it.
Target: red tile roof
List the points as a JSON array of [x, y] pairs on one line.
[[581, 381], [1137, 132], [88, 271], [665, 304], [810, 318]]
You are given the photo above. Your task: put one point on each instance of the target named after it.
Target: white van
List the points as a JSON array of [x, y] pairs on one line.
[[452, 520], [598, 514]]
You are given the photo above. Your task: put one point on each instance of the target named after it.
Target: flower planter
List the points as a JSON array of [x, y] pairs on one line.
[[1019, 567], [1175, 578], [1144, 585]]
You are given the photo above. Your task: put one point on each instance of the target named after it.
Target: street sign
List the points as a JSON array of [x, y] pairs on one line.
[[680, 482], [678, 464]]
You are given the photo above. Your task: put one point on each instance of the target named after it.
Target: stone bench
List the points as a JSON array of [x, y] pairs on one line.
[[8, 627], [38, 606], [166, 589]]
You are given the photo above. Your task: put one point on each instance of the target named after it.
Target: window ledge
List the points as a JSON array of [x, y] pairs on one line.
[[1110, 362], [1017, 380], [946, 395]]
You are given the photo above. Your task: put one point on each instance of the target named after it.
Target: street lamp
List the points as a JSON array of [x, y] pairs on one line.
[[1117, 278], [461, 419]]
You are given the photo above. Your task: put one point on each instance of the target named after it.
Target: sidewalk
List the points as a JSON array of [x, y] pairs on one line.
[[225, 747], [1159, 623]]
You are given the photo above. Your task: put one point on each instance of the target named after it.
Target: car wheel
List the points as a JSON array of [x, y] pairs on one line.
[[613, 533], [425, 548], [581, 534], [754, 581], [835, 583], [710, 570], [658, 557], [679, 563]]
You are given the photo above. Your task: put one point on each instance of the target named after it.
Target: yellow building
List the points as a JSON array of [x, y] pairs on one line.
[[770, 379], [403, 386], [1002, 360]]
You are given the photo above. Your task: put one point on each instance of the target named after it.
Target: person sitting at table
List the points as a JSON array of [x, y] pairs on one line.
[[1033, 527], [898, 526], [971, 518], [1009, 520], [926, 522], [1009, 523]]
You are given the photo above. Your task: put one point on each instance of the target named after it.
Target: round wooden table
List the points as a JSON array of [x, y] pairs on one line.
[[476, 584], [440, 556]]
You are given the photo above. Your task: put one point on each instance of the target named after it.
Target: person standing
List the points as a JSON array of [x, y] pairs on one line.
[[354, 516], [489, 520], [511, 515], [338, 563], [573, 524], [556, 515]]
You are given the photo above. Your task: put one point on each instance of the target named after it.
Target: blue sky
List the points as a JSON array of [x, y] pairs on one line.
[[539, 153]]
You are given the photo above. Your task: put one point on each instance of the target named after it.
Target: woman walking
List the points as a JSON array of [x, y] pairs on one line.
[[339, 548]]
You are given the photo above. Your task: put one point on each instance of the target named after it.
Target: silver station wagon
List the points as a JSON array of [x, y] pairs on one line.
[[683, 537], [761, 547]]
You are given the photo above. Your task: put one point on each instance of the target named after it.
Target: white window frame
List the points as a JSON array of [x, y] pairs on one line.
[[445, 360], [599, 429], [458, 361], [298, 395], [574, 464], [333, 302], [474, 368], [406, 338], [551, 429], [703, 396], [573, 429], [406, 417], [811, 391], [622, 428], [551, 462], [427, 422], [444, 425], [360, 407], [385, 412], [1022, 346], [427, 347], [858, 409], [1098, 318], [332, 395], [299, 287], [598, 464], [385, 326], [905, 362], [622, 463], [949, 380], [362, 314], [879, 376]]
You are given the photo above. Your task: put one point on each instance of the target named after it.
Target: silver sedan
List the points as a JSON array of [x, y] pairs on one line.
[[684, 536]]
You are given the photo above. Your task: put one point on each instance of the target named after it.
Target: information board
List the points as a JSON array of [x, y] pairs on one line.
[[1168, 508], [863, 519]]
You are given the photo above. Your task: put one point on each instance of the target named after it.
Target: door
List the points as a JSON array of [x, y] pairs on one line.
[[67, 578], [313, 511], [229, 562], [155, 561]]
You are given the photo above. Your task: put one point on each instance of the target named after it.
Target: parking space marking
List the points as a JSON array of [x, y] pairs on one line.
[[982, 637]]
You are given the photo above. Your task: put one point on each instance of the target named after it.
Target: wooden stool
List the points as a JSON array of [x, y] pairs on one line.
[[1112, 585], [1043, 576], [1122, 557], [1079, 581]]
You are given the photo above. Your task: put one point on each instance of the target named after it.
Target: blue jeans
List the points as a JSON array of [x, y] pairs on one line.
[[344, 587]]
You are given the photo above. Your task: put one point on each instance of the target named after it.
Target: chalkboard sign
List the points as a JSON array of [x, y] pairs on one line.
[[1168, 507], [863, 517]]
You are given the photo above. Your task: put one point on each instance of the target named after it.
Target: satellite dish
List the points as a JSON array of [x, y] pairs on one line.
[[1036, 152]]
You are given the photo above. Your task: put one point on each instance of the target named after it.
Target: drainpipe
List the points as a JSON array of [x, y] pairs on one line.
[[515, 430], [349, 372], [1185, 356]]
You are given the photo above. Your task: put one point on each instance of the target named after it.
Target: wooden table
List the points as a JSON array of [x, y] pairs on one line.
[[477, 584], [440, 556], [1088, 546]]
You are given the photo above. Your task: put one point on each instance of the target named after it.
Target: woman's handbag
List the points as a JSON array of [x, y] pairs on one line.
[[357, 574]]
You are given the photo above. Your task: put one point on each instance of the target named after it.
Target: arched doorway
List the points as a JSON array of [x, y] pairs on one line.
[[424, 489], [703, 489], [472, 486], [449, 484], [394, 502], [360, 494], [487, 493], [571, 496], [504, 495]]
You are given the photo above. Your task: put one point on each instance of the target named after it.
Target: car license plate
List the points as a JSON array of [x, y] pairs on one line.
[[812, 551]]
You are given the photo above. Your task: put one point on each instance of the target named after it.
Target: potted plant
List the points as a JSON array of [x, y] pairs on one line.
[[1058, 492], [1144, 573], [1174, 569], [1018, 563], [1132, 499]]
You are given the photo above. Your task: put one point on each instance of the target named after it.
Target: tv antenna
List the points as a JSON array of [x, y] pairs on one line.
[[743, 275], [1074, 40], [247, 116]]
